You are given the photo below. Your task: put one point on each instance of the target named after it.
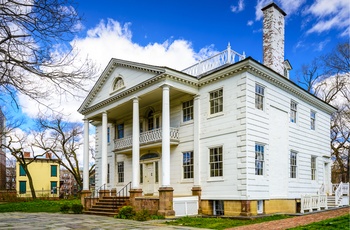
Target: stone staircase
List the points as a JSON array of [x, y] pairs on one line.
[[108, 205]]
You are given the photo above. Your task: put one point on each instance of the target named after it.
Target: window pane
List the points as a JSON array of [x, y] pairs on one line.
[[53, 170], [53, 187], [216, 163], [187, 165], [22, 187], [21, 171], [216, 101], [120, 172], [259, 96]]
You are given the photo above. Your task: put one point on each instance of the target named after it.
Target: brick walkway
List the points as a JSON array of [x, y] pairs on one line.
[[296, 221]]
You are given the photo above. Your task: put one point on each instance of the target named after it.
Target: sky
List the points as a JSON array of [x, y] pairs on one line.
[[179, 33]]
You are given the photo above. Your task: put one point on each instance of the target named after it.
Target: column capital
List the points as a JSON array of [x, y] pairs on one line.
[[165, 86], [135, 98], [196, 96]]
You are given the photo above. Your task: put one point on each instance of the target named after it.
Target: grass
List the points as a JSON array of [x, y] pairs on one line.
[[221, 223], [36, 205], [341, 222]]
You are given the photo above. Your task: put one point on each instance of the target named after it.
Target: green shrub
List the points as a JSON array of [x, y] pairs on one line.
[[64, 208], [142, 215], [77, 208], [157, 217], [126, 212]]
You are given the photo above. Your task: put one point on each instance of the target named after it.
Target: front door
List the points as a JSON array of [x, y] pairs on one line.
[[149, 178]]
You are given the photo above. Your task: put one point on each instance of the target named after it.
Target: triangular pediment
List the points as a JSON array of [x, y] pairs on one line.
[[119, 76]]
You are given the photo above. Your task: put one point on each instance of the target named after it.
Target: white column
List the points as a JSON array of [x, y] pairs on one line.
[[135, 144], [196, 142], [104, 149], [166, 137], [86, 156]]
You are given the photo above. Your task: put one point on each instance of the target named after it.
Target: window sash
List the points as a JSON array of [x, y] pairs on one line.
[[22, 187], [293, 111], [187, 108], [313, 168], [216, 162], [312, 120], [53, 187], [120, 172], [259, 159], [216, 101], [259, 96], [120, 129], [187, 165], [293, 165]]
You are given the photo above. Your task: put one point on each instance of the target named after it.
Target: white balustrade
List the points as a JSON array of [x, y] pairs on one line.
[[146, 137], [338, 193], [227, 56], [313, 202]]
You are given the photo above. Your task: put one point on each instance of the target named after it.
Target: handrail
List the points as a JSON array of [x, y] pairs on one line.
[[95, 193], [338, 193], [123, 192]]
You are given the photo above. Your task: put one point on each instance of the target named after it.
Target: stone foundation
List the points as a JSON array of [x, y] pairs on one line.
[[83, 195], [166, 202]]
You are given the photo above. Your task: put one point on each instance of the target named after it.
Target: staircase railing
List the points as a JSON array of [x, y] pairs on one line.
[[96, 193], [338, 193], [123, 192]]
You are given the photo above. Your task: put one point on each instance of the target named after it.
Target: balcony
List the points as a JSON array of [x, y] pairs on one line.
[[147, 138]]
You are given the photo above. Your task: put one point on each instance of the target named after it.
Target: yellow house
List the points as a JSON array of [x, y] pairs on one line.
[[45, 176]]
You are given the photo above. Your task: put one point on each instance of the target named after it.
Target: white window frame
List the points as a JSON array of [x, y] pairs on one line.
[[293, 164], [187, 167], [259, 159], [187, 111], [313, 167], [216, 102], [220, 162], [259, 96], [293, 111], [120, 166], [312, 120]]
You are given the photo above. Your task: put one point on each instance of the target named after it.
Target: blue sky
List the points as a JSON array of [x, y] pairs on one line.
[[178, 33]]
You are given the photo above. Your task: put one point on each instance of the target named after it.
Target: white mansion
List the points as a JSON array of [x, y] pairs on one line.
[[235, 134]]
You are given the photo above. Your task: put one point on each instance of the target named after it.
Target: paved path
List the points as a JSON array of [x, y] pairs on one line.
[[296, 221], [57, 221]]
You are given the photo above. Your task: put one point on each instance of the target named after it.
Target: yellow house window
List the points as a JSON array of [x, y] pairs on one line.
[[53, 170], [21, 171]]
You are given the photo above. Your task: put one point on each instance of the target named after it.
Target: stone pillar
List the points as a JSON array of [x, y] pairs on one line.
[[104, 149], [86, 156], [166, 202], [245, 208], [197, 191], [133, 194], [83, 194], [166, 137], [135, 145]]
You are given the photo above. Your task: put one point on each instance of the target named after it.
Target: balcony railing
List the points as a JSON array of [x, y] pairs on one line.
[[227, 56], [148, 137]]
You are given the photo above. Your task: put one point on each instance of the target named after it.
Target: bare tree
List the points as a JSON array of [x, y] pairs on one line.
[[329, 79], [33, 61], [63, 140]]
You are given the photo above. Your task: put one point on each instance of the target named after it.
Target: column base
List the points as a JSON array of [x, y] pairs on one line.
[[197, 191], [133, 194], [83, 194], [166, 202], [245, 208]]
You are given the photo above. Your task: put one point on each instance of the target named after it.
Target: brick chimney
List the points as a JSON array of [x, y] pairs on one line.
[[273, 37], [26, 154], [48, 155]]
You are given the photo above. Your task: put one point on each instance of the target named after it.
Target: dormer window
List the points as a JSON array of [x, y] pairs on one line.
[[118, 84]]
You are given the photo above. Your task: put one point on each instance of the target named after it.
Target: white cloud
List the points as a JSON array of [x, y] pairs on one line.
[[239, 7], [109, 39], [334, 15], [250, 23]]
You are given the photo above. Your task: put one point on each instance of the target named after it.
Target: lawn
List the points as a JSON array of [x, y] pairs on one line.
[[36, 205], [341, 222], [221, 223]]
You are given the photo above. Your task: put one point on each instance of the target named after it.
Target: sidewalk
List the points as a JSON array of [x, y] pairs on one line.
[[296, 221]]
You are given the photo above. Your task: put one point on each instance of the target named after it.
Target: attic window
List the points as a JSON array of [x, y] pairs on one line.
[[118, 84]]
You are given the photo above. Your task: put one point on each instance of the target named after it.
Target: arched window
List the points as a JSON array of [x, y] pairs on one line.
[[118, 84]]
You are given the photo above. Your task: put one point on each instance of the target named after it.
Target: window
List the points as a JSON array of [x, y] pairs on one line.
[[108, 135], [293, 164], [53, 187], [312, 119], [259, 159], [260, 206], [218, 207], [120, 129], [187, 165], [141, 173], [187, 110], [216, 162], [120, 172], [150, 120], [156, 172], [293, 111], [313, 168], [108, 173], [22, 187], [53, 170], [21, 171], [216, 101], [259, 96]]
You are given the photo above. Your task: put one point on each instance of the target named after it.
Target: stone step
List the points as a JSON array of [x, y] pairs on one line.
[[112, 214]]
